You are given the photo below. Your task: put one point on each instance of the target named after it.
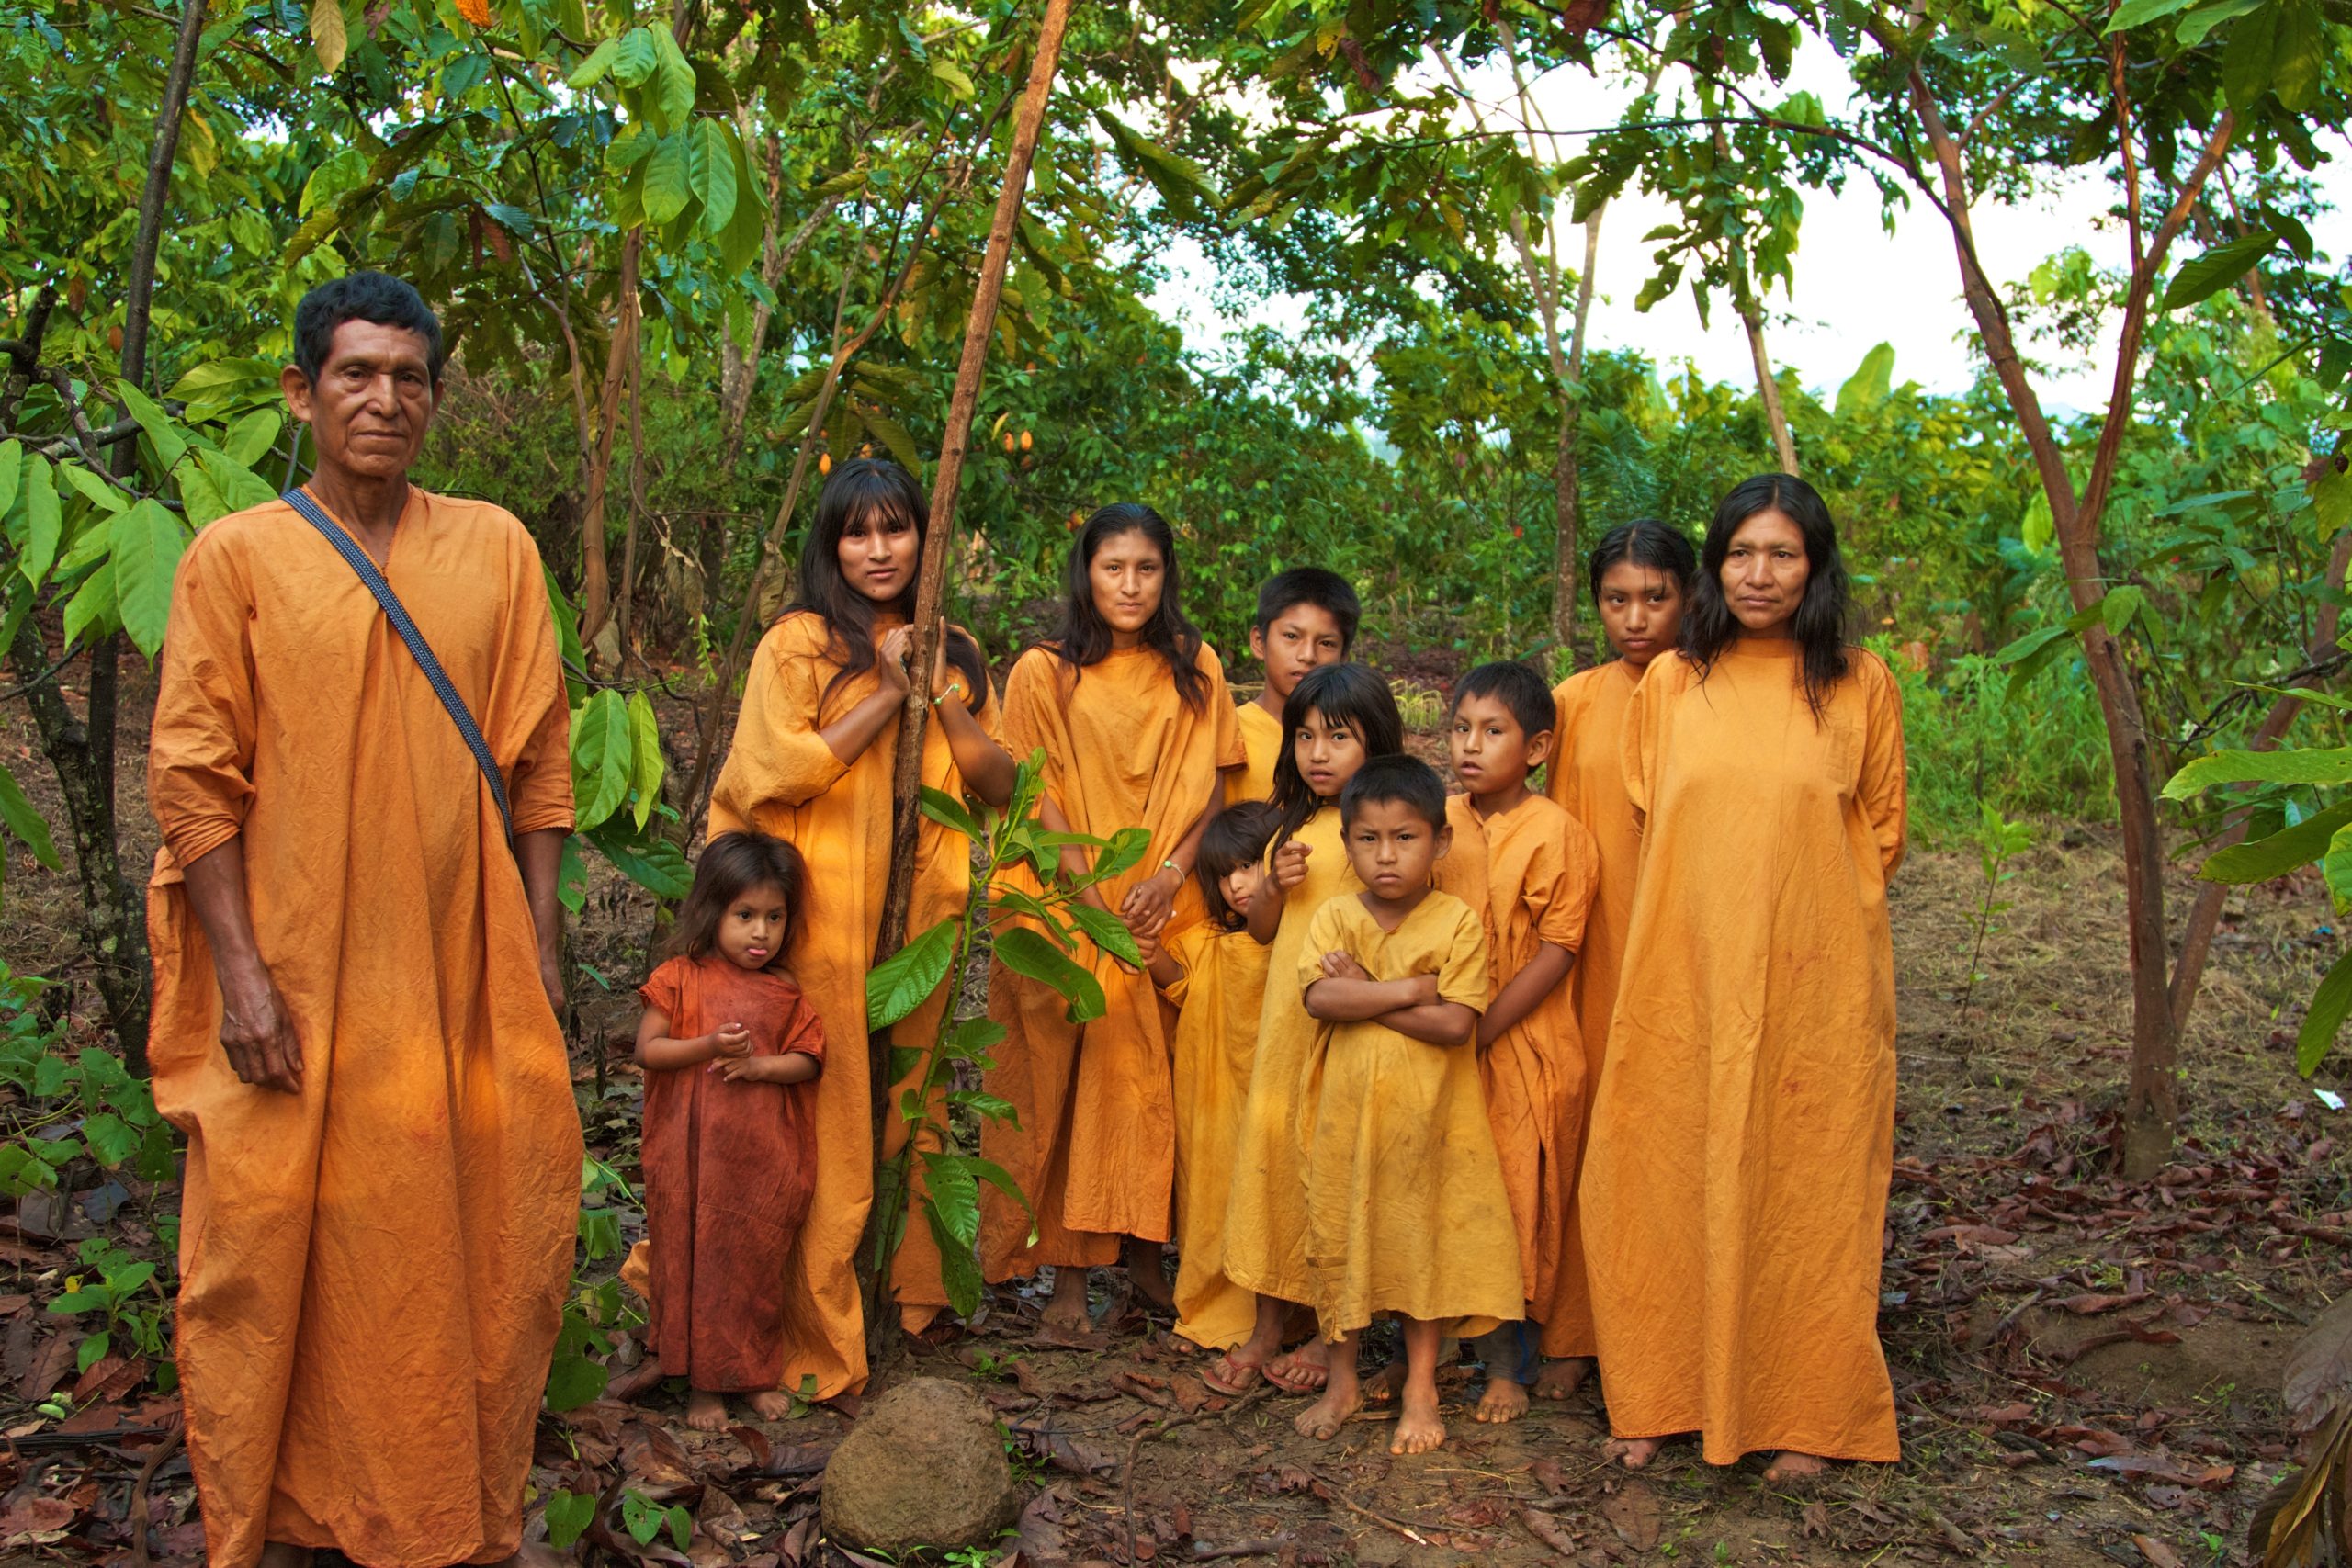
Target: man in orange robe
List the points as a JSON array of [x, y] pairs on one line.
[[354, 975]]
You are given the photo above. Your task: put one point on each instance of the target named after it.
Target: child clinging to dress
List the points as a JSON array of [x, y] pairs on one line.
[[730, 1048]]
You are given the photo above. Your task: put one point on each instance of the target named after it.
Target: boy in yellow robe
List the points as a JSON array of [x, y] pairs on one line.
[[1307, 618], [1405, 1207]]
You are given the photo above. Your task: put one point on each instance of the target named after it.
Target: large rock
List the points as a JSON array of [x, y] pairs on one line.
[[923, 1467]]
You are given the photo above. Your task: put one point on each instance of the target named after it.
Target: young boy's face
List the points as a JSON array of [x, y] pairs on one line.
[[1491, 752], [1394, 847], [1294, 642]]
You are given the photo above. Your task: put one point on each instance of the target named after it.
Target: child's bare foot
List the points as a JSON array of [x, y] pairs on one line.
[[1417, 1427], [1305, 1369], [1505, 1400], [1067, 1310], [1323, 1419], [771, 1404], [1562, 1376], [1791, 1465], [1146, 1274], [1381, 1389], [705, 1412], [1632, 1452]]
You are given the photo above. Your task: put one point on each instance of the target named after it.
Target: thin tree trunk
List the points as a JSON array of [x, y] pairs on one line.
[[1752, 318], [595, 572], [627, 597], [980, 331]]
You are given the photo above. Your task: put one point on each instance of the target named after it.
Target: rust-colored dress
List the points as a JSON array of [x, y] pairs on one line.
[[1743, 1133], [729, 1171], [372, 1271]]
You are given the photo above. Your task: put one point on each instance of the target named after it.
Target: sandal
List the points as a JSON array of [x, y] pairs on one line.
[[1310, 1378], [1231, 1378]]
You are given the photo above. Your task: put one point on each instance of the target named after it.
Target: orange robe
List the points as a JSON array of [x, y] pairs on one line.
[[1742, 1135], [1587, 776], [1095, 1149], [1529, 874], [371, 1270], [780, 778], [729, 1169], [1220, 994], [1261, 741]]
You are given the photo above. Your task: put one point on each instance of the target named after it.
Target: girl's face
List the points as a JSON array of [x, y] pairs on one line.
[[1764, 573], [1641, 609], [751, 931], [879, 555], [1128, 577], [1328, 751], [1240, 886]]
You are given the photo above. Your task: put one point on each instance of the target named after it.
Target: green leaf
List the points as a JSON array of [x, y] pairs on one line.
[[959, 1269], [996, 1107], [2038, 529], [250, 439], [26, 823], [646, 857], [2137, 13], [239, 486], [147, 543], [2329, 1004], [2336, 867], [2298, 55], [571, 874], [92, 1350], [1029, 954], [568, 1515], [110, 1139], [170, 444], [953, 75], [647, 764], [682, 1526], [327, 34], [1121, 853], [948, 812], [43, 519], [2117, 607], [2330, 765], [710, 171], [2192, 29], [635, 57], [668, 184], [674, 84], [12, 467], [92, 604], [1107, 930], [2280, 852], [1871, 384], [894, 437], [1184, 186], [601, 758], [574, 1381], [96, 488], [906, 979], [971, 1039], [2217, 269], [2247, 55], [590, 72]]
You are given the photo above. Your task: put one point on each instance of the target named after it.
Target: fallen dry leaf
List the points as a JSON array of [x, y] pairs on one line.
[[50, 1365], [2085, 1306], [1548, 1531], [1547, 1475], [1816, 1520], [2158, 1554], [35, 1516], [1634, 1515]]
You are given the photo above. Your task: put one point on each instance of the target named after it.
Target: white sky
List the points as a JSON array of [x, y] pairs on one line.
[[1856, 285]]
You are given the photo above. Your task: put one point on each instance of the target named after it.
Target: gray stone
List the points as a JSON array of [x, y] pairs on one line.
[[923, 1467]]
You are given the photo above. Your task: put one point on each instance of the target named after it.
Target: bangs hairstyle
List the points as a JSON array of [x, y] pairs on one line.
[[1326, 590], [1517, 687], [1709, 628], [1645, 541], [374, 296], [1084, 637], [1234, 838], [1345, 694], [731, 865], [1395, 781], [879, 495]]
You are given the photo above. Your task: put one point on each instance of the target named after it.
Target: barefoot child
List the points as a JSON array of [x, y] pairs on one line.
[[1307, 618], [1528, 868], [1215, 972], [1405, 1210], [1337, 717], [729, 1045]]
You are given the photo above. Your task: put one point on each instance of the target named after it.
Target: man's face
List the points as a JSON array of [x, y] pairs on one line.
[[368, 410]]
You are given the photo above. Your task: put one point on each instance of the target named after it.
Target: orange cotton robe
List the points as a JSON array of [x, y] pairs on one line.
[[1405, 1210], [780, 778], [1743, 1134], [1261, 741], [729, 1169], [1529, 874], [1265, 1225], [371, 1270], [1220, 994], [1587, 776], [1096, 1150]]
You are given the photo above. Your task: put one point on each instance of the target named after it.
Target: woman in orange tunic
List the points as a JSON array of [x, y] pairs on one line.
[[1130, 707], [811, 763], [1744, 1133], [1641, 578]]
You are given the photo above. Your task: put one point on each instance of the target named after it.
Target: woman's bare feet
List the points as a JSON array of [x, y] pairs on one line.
[[705, 1412], [1381, 1389], [1417, 1427], [1562, 1376], [1066, 1309], [1633, 1452], [1343, 1389], [1145, 1272], [1305, 1369], [1505, 1400], [1323, 1419], [1791, 1465], [771, 1404]]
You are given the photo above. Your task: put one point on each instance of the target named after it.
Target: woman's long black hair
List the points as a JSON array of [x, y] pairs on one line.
[[1644, 542], [1709, 627], [869, 490], [1352, 694], [731, 865], [1084, 637]]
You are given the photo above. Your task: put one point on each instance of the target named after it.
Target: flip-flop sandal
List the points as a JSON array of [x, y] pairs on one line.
[[1287, 1386], [1246, 1376]]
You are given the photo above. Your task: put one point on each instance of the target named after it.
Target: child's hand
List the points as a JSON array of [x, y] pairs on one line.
[[1147, 943], [1290, 865], [1147, 906], [1343, 966], [745, 1069], [732, 1039], [1425, 992]]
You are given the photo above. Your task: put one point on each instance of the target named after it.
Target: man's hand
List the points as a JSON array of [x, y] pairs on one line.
[[257, 1032]]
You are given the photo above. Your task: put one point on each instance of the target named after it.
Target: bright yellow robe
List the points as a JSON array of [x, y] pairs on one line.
[[1529, 874], [372, 1269], [1220, 994], [1261, 741], [1743, 1134], [1405, 1209]]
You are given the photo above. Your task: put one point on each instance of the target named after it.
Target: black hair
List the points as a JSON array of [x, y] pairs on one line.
[[1400, 781], [1517, 687], [376, 297], [1084, 637], [1235, 836], [872, 492], [731, 865], [1819, 626], [1343, 694], [1326, 590], [1644, 542]]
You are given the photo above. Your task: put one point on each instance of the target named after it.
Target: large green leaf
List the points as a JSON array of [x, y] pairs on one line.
[[239, 486], [905, 980], [710, 173], [668, 180], [1184, 186], [2217, 269], [648, 858], [43, 518], [2136, 13], [635, 57], [1869, 385], [601, 758], [2335, 866], [92, 605], [2329, 1004], [170, 444], [574, 1380], [26, 822], [328, 35], [1026, 952], [2324, 765], [646, 762], [674, 84], [147, 543], [1108, 931], [12, 467], [2287, 849]]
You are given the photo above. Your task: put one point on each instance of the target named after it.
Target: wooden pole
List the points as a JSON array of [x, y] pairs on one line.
[[980, 328]]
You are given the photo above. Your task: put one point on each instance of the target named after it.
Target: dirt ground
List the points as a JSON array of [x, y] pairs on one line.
[[2085, 1370]]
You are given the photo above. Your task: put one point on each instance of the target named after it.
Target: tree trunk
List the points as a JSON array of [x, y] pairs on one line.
[[624, 600], [979, 330], [596, 574], [1752, 318]]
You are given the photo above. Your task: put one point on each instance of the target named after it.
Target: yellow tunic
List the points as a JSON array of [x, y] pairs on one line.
[[372, 1269], [1262, 739], [1587, 776], [1405, 1210], [1265, 1225], [1095, 1149], [1221, 993], [781, 779], [1529, 874], [1743, 1133]]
